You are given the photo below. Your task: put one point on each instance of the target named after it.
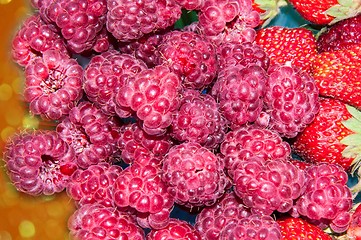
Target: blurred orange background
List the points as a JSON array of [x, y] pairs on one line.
[[22, 216]]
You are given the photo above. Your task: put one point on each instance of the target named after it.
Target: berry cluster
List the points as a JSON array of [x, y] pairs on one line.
[[208, 119]]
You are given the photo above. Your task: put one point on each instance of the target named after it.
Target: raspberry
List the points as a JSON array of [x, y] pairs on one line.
[[53, 84], [154, 95], [134, 141], [211, 220], [257, 227], [268, 186], [94, 184], [240, 91], [243, 54], [291, 100], [191, 4], [198, 120], [91, 133], [95, 221], [190, 56], [194, 175], [39, 162], [246, 142], [176, 229], [129, 20], [327, 200], [33, 39], [79, 22], [105, 74]]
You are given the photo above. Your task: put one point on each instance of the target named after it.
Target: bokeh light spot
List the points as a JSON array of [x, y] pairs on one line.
[[4, 235], [26, 229], [5, 1], [7, 132], [30, 122], [6, 91]]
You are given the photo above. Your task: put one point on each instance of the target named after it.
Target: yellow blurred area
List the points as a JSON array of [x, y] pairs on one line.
[[22, 216]]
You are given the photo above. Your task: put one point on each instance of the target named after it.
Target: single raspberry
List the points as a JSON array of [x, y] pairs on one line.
[[95, 221], [39, 162], [53, 84], [91, 133], [79, 22], [257, 227], [154, 95], [198, 120], [268, 186], [190, 56], [243, 54], [128, 20], [250, 141], [291, 100], [33, 39], [176, 229], [211, 220], [327, 199], [94, 184], [240, 91], [194, 175], [105, 74], [133, 140]]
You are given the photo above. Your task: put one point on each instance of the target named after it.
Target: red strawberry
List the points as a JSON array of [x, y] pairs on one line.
[[326, 11], [300, 229], [333, 135], [337, 75], [294, 45], [354, 230]]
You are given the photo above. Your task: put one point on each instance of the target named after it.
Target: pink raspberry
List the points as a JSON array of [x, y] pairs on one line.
[[94, 184], [176, 229], [79, 22], [133, 141], [95, 221], [191, 4], [33, 39], [327, 200], [194, 175], [240, 92], [105, 75], [190, 56], [198, 120], [154, 95], [91, 133], [39, 162], [53, 84], [129, 20], [211, 220]]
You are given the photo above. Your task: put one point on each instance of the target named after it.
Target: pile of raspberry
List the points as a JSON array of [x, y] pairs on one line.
[[151, 119]]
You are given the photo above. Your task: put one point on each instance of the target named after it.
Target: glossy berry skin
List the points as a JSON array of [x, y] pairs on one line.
[[296, 46], [194, 175], [211, 220], [52, 84], [127, 20], [153, 95], [291, 100], [191, 56], [255, 227], [39, 162], [105, 75], [299, 229], [268, 186], [314, 143], [198, 120], [33, 38], [91, 133], [327, 200], [336, 75], [95, 221], [94, 185], [341, 35]]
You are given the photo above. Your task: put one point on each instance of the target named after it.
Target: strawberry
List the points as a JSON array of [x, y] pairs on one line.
[[294, 45], [268, 9], [326, 11], [333, 136], [354, 230], [337, 75], [300, 229]]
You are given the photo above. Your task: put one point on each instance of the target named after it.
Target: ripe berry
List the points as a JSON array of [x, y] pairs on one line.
[[176, 229]]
